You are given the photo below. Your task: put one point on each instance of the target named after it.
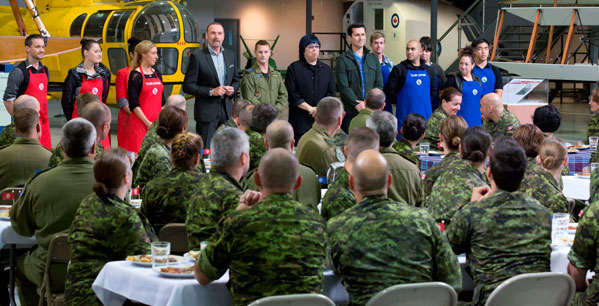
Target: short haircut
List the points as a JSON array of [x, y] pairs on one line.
[[86, 98], [507, 163], [29, 39], [177, 101], [448, 93], [279, 134], [305, 41], [359, 140], [263, 115], [238, 106], [530, 138], [376, 35], [547, 118], [375, 98], [413, 127], [26, 101], [452, 128], [385, 125], [184, 149], [479, 41], [78, 137], [226, 146], [213, 23], [552, 152], [351, 27], [278, 169], [25, 120], [475, 144], [97, 113], [328, 110], [370, 172], [109, 170], [245, 115], [261, 42], [171, 121], [426, 43]]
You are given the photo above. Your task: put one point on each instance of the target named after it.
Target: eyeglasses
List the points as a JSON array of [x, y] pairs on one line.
[[313, 46]]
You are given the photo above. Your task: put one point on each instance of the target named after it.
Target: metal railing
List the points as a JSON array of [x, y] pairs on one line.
[[458, 23]]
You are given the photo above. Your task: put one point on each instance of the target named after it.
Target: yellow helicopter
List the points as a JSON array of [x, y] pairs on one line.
[[166, 23]]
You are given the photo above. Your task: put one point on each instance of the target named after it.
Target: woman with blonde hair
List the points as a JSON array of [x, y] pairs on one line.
[[145, 91]]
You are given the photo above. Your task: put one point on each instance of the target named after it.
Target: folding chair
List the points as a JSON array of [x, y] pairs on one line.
[[432, 293], [59, 255], [534, 289], [176, 234], [10, 195], [308, 299]]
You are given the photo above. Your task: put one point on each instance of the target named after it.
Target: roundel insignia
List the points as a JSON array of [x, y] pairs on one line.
[[395, 20], [154, 91], [41, 86], [474, 92], [95, 91], [418, 82], [484, 79]]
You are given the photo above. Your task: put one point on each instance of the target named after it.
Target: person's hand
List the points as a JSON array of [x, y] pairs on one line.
[[126, 109], [360, 105], [229, 90], [219, 91], [479, 193], [248, 199], [312, 111], [148, 123]]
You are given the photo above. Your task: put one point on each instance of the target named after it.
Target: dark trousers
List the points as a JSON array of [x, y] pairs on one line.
[[346, 120], [207, 129]]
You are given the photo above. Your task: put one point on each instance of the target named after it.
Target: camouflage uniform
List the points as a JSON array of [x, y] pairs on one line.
[[318, 150], [164, 198], [431, 175], [58, 154], [20, 160], [282, 239], [433, 127], [543, 187], [149, 140], [507, 124], [404, 149], [406, 184], [360, 119], [101, 232], [594, 187], [258, 87], [8, 135], [453, 189], [338, 197], [156, 163], [380, 243], [593, 130], [229, 123], [503, 235], [217, 194], [257, 147], [583, 254]]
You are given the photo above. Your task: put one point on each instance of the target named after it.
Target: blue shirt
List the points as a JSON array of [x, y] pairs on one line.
[[219, 64], [360, 60]]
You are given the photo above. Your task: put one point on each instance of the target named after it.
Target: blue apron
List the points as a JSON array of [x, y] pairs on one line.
[[385, 71], [487, 78], [414, 97], [470, 107]]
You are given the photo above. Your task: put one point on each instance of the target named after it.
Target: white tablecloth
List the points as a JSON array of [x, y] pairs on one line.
[[576, 187], [9, 236]]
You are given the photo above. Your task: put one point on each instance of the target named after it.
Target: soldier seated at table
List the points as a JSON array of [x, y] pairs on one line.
[[548, 119], [375, 100], [503, 232], [497, 119], [262, 115], [49, 203], [339, 197], [451, 99], [9, 133], [593, 127], [594, 187], [406, 186], [105, 228], [412, 132], [236, 109], [273, 247], [368, 244], [25, 156]]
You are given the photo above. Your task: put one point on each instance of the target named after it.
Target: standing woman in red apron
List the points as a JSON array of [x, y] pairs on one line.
[[146, 96], [89, 76], [122, 78]]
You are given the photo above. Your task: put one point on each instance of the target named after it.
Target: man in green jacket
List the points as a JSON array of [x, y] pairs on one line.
[[358, 71], [375, 100]]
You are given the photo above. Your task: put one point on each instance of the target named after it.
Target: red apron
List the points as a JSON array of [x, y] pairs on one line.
[[122, 130], [150, 102], [94, 86], [38, 88]]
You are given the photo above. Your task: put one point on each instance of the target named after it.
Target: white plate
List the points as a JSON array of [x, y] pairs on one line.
[[175, 275], [149, 264], [188, 257], [5, 218], [588, 177]]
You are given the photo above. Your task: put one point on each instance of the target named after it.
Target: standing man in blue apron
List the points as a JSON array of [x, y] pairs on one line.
[[489, 75], [411, 85]]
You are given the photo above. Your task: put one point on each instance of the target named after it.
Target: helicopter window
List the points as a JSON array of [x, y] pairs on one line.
[[95, 24], [185, 60], [158, 22], [77, 25], [115, 31], [168, 58], [117, 58], [190, 27]]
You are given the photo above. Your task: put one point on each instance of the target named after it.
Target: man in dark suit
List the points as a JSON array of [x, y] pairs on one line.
[[212, 78]]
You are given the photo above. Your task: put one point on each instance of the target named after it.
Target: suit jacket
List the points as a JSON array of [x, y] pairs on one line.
[[201, 76]]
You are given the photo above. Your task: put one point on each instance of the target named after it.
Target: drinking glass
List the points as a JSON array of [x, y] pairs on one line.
[[593, 142], [594, 166], [424, 147], [559, 228], [160, 253]]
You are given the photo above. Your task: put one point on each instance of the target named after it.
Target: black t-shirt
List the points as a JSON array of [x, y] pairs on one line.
[[136, 83]]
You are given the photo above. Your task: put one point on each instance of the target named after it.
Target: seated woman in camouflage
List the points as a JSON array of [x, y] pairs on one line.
[[105, 228], [451, 99], [165, 198], [530, 138], [157, 161], [412, 132], [451, 132], [453, 188]]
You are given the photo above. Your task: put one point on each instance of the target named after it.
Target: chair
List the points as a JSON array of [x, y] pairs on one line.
[[59, 255], [10, 195], [534, 289], [176, 234], [433, 293], [308, 299]]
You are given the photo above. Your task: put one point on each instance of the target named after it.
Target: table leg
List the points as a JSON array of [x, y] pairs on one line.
[[13, 265]]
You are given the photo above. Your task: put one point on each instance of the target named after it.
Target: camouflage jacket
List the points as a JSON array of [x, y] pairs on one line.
[[433, 127], [149, 140], [503, 235], [594, 187], [404, 149], [338, 197], [102, 231], [8, 135], [58, 154], [165, 198], [282, 239], [257, 148], [156, 163], [507, 124], [593, 130], [379, 243], [406, 184], [583, 254], [217, 194], [229, 123], [431, 175], [453, 189], [543, 187]]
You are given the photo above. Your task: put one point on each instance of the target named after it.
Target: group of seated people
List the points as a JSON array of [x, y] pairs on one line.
[[257, 208]]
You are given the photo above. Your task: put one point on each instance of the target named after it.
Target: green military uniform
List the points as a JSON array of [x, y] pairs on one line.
[[380, 243], [593, 130], [48, 206], [284, 242], [149, 140], [406, 184], [102, 231], [433, 127], [338, 197], [156, 163], [20, 160], [360, 119], [594, 187], [165, 198], [453, 189], [503, 235], [542, 186], [583, 254], [217, 194], [258, 87], [431, 175], [257, 147], [8, 135], [58, 154], [507, 124], [230, 123], [404, 148], [317, 149]]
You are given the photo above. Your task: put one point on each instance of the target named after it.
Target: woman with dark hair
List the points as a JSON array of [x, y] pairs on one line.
[[451, 99], [105, 228], [157, 161], [122, 78], [453, 188], [412, 132], [307, 81], [470, 87]]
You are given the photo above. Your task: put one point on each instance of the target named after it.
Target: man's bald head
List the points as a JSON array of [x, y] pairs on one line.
[[98, 114], [26, 101], [492, 99], [361, 139], [370, 173], [278, 171], [177, 101], [279, 134]]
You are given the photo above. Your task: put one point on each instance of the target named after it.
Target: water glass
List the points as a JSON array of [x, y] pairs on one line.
[[593, 142], [559, 228], [424, 147], [594, 166], [160, 253]]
